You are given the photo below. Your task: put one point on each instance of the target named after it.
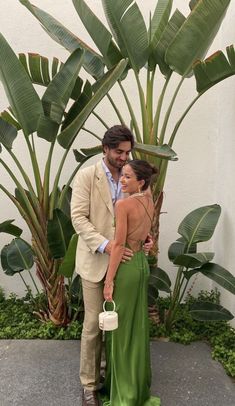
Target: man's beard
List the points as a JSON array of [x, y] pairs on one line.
[[115, 164]]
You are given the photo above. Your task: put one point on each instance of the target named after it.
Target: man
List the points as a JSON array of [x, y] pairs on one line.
[[95, 191]]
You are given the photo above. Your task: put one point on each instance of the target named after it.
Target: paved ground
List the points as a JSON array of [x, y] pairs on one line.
[[45, 373]]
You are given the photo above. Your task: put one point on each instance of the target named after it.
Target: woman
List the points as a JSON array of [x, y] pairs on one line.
[[128, 375]]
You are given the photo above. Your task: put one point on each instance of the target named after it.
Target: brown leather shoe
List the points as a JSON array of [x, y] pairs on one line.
[[90, 398]]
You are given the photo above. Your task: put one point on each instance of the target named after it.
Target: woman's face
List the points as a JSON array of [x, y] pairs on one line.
[[129, 182]]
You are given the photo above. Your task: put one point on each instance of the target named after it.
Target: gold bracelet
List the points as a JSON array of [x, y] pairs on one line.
[[109, 284]]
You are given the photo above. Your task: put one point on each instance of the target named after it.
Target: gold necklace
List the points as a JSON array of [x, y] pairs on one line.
[[138, 194]]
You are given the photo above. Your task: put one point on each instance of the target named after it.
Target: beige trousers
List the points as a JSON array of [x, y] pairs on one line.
[[91, 339]]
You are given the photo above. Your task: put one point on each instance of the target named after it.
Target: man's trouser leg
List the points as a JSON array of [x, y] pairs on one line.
[[91, 339]]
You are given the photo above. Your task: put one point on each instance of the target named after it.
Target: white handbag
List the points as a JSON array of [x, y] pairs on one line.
[[108, 319]]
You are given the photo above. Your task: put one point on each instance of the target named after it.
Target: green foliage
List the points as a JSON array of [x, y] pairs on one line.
[[220, 335], [18, 321], [2, 295], [198, 226]]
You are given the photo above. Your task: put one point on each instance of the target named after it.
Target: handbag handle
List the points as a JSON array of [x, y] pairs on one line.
[[113, 303]]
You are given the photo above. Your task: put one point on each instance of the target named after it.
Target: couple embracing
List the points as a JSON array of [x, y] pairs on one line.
[[112, 211]]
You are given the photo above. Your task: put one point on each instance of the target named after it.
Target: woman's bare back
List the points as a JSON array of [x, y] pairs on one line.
[[140, 211]]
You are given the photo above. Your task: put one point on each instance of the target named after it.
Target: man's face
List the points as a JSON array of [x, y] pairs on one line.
[[117, 157]]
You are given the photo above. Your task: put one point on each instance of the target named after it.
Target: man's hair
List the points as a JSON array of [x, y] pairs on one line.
[[117, 134]]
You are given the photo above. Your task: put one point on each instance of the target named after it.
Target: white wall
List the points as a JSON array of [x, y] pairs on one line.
[[205, 142]]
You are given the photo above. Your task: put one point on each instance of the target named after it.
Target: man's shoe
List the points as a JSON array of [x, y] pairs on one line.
[[90, 398]]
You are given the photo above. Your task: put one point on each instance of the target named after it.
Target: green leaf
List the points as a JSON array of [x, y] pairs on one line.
[[162, 151], [5, 266], [159, 22], [180, 247], [199, 225], [68, 135], [193, 260], [9, 228], [128, 28], [214, 69], [68, 265], [92, 151], [219, 275], [196, 35], [8, 134], [92, 61], [159, 52], [152, 294], [8, 117], [66, 202], [160, 279], [57, 95], [20, 92], [37, 67], [207, 311], [20, 255], [59, 233], [78, 105], [99, 33]]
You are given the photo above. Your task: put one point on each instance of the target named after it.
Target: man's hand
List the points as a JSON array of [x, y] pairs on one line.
[[148, 244], [127, 253]]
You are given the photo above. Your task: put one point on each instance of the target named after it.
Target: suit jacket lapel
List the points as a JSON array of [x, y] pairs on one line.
[[103, 187]]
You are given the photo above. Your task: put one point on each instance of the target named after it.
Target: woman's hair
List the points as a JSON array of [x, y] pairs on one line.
[[143, 171], [117, 134]]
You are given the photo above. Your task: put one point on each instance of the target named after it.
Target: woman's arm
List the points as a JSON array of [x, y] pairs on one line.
[[118, 247]]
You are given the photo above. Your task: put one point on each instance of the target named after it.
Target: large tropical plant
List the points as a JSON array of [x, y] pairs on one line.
[[172, 43], [198, 226], [40, 199], [42, 203]]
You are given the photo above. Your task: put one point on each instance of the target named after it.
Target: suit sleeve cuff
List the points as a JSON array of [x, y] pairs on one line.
[[102, 247]]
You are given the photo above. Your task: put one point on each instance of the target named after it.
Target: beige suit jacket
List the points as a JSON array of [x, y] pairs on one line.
[[93, 219]]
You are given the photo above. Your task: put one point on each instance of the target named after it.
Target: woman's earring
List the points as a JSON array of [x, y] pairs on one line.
[[139, 189]]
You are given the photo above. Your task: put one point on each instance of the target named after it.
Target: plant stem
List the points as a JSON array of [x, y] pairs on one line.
[[100, 119], [172, 137], [34, 283], [158, 111], [133, 118], [143, 110], [121, 119], [92, 133], [46, 182], [168, 113], [35, 166], [55, 186]]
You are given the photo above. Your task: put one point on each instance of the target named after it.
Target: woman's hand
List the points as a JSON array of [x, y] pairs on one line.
[[108, 291]]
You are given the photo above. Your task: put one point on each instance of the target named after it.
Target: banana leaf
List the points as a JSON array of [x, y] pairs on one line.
[[214, 69], [4, 262], [19, 255], [8, 134], [9, 228], [162, 151], [159, 52], [128, 28], [23, 99], [59, 233], [37, 67], [68, 265], [92, 61], [196, 35], [159, 279], [67, 136], [219, 275], [57, 95], [99, 33], [199, 225], [193, 260], [179, 247], [207, 311]]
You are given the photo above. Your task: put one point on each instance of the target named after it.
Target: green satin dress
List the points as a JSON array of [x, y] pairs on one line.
[[128, 371]]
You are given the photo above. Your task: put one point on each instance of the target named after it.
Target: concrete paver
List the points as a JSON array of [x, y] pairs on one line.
[[46, 373]]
